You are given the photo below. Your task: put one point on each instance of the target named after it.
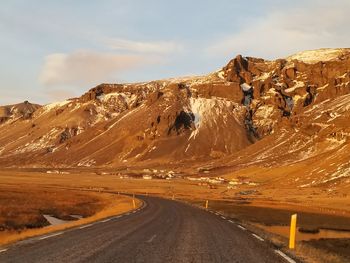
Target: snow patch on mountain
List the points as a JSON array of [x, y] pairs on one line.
[[199, 107], [51, 106], [297, 85], [40, 143], [208, 111], [314, 56]]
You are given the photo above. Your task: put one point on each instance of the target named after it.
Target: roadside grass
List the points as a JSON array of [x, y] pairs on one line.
[[23, 207], [276, 216], [336, 250], [21, 210], [268, 206]]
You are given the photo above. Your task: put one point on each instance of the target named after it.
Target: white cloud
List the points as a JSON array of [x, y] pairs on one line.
[[286, 31], [87, 67], [157, 47]]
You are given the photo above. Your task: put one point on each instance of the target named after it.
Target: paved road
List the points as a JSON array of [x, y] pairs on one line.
[[163, 231]]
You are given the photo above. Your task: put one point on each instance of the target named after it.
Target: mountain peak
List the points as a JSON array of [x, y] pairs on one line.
[[317, 55], [251, 111]]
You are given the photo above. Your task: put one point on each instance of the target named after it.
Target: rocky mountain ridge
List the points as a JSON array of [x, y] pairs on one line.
[[17, 111], [297, 106]]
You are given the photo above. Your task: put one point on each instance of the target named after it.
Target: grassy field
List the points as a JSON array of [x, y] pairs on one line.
[[26, 195], [24, 207], [23, 204], [277, 216]]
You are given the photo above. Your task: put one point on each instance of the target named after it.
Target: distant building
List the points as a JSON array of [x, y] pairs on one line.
[[215, 181], [193, 179]]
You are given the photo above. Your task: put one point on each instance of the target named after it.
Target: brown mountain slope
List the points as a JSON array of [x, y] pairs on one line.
[[17, 111], [252, 112]]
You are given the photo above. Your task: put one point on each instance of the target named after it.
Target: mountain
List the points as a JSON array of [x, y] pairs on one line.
[[17, 111], [252, 112]]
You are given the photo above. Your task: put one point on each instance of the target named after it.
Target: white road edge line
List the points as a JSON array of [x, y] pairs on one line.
[[231, 221], [241, 227], [151, 239], [53, 235], [258, 237], [3, 250], [82, 227], [223, 217], [106, 220], [279, 252]]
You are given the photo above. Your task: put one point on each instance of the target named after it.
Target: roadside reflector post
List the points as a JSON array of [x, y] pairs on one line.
[[133, 201], [206, 204], [293, 226], [173, 198]]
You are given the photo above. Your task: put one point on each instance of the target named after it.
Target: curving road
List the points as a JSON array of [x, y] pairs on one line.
[[162, 231]]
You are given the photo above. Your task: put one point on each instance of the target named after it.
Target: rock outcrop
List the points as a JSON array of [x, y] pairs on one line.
[[249, 103], [17, 111]]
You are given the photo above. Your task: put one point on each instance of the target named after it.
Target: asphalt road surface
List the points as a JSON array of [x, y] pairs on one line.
[[161, 231]]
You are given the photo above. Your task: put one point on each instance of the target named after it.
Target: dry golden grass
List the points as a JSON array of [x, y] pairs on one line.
[[88, 182], [311, 200], [21, 209]]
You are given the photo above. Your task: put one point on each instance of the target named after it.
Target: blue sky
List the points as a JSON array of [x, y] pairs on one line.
[[51, 50]]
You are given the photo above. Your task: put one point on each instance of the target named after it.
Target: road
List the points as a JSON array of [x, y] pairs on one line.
[[162, 231]]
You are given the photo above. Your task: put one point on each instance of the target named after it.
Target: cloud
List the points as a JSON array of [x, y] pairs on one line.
[[86, 67], [158, 47], [286, 31]]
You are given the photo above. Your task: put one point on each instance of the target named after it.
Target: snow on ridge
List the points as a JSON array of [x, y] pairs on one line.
[[54, 105], [314, 56], [51, 106], [220, 74], [127, 96]]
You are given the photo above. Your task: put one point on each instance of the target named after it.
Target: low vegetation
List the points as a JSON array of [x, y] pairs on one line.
[[23, 207], [25, 196]]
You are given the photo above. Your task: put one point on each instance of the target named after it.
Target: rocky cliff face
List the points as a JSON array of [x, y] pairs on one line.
[[19, 111], [283, 88], [231, 114]]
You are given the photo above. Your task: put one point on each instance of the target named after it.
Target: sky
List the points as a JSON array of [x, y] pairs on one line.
[[53, 50]]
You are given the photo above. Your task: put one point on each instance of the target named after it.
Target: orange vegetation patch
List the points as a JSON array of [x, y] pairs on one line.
[[22, 209]]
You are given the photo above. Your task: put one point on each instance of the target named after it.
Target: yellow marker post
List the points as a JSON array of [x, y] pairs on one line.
[[133, 203], [293, 226], [173, 198], [206, 204]]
